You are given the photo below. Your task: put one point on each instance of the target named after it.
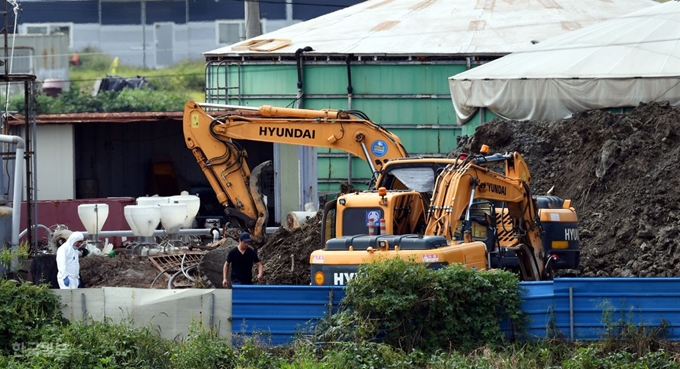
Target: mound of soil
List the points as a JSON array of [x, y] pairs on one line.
[[285, 254], [621, 173], [120, 271]]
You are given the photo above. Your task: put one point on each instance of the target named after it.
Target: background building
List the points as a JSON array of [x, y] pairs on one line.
[[157, 33]]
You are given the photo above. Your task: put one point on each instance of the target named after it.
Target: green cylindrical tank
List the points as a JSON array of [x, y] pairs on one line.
[[410, 96]]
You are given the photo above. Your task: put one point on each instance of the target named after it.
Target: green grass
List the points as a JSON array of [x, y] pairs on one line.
[[187, 77], [170, 88]]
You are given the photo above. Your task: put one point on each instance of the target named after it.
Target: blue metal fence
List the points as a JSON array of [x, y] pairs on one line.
[[277, 313], [575, 308], [599, 303]]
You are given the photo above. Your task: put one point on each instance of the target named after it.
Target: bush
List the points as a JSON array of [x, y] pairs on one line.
[[25, 310], [100, 344], [93, 59], [75, 101], [365, 355], [590, 358], [203, 349], [409, 306]]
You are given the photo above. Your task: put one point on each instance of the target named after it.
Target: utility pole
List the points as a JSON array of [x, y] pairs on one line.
[[144, 33], [252, 15]]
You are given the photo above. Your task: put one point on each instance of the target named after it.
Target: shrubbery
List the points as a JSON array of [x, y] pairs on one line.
[[170, 88], [396, 315], [409, 306], [76, 101], [25, 312]]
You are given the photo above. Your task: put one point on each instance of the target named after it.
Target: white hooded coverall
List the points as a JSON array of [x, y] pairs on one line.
[[68, 264]]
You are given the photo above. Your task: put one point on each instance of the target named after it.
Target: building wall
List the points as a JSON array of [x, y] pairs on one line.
[[172, 31], [147, 46], [42, 56], [55, 162]]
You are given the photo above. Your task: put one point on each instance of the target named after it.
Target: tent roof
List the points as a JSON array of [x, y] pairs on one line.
[[439, 27], [645, 43], [617, 63]]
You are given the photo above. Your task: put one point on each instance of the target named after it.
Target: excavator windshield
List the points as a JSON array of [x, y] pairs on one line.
[[418, 179]]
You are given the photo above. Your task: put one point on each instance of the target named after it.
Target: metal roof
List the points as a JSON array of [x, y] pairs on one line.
[[76, 118], [437, 27]]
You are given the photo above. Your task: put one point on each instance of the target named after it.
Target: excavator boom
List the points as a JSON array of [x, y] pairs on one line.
[[211, 138]]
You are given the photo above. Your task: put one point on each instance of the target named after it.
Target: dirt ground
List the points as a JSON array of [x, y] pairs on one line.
[[619, 170]]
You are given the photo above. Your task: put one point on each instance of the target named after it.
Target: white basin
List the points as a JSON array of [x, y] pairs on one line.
[[173, 217], [193, 203], [93, 216], [146, 218]]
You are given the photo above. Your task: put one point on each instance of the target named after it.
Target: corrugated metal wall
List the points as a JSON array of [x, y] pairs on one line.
[[277, 313], [45, 56], [583, 309]]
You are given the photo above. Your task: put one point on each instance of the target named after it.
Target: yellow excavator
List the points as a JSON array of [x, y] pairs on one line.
[[211, 138], [471, 215]]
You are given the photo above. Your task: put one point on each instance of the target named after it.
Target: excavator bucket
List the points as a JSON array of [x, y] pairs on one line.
[[257, 225], [256, 193]]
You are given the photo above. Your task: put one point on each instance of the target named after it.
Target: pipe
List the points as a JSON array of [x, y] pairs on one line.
[[227, 106], [161, 232], [18, 185], [47, 229], [298, 61], [350, 91]]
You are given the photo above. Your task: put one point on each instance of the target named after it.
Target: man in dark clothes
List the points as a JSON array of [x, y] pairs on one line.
[[239, 264]]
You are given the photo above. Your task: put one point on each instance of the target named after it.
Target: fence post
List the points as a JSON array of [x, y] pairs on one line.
[[83, 306]]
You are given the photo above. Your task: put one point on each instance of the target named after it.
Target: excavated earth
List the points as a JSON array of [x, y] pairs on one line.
[[621, 171]]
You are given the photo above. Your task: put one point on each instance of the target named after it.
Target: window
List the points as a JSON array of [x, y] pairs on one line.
[[48, 29], [230, 32]]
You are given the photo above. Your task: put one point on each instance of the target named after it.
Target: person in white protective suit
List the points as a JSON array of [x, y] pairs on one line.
[[68, 264]]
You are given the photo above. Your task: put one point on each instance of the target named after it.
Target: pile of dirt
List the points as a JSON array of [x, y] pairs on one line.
[[120, 271], [285, 254], [621, 173]]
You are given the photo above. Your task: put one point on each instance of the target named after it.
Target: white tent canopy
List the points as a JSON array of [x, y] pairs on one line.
[[616, 63], [435, 27]]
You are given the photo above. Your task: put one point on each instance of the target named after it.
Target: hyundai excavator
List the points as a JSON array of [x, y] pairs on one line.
[[211, 139], [473, 216]]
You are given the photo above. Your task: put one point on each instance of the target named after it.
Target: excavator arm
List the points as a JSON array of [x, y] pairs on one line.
[[210, 137], [460, 184]]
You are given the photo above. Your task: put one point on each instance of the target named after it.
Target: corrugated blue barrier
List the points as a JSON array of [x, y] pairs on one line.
[[628, 301], [574, 308], [277, 313]]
